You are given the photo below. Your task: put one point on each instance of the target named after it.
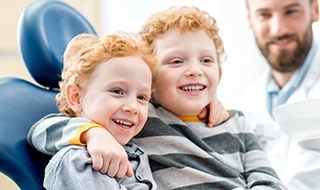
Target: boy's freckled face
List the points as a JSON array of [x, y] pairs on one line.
[[117, 96], [188, 72]]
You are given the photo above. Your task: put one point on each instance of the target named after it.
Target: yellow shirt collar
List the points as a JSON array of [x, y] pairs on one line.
[[192, 119]]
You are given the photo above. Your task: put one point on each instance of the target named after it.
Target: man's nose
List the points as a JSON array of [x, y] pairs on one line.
[[278, 26]]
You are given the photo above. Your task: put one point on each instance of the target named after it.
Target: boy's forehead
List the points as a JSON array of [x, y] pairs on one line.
[[119, 65], [177, 41], [130, 71], [176, 34]]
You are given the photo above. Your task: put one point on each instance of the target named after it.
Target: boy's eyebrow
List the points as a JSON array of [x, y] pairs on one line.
[[178, 50], [119, 81], [116, 82], [126, 82]]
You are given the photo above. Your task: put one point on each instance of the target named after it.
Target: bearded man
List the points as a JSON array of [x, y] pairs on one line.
[[284, 35]]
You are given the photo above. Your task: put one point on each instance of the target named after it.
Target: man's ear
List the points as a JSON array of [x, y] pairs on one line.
[[248, 15], [249, 19], [315, 11], [73, 96]]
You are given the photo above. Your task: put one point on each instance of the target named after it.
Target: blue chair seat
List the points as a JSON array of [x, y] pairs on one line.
[[45, 29]]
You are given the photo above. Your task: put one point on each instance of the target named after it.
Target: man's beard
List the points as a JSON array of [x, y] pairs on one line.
[[285, 61]]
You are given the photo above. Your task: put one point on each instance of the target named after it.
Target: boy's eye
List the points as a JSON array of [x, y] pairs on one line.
[[143, 97], [117, 91], [207, 60], [176, 61]]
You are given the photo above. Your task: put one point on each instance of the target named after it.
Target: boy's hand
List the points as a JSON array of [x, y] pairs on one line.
[[108, 156], [217, 113]]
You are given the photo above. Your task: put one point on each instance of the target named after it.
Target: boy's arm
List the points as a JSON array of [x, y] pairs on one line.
[[70, 169], [56, 131], [215, 112], [108, 156]]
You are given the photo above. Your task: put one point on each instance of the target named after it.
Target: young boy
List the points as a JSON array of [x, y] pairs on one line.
[[105, 83], [183, 152]]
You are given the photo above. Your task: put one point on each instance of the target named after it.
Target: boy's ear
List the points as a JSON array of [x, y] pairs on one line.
[[220, 75], [73, 96]]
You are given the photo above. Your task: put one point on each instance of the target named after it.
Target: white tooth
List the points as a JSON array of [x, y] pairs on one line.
[[123, 122], [193, 88]]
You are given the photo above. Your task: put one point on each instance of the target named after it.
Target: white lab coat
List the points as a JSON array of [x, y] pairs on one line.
[[299, 169]]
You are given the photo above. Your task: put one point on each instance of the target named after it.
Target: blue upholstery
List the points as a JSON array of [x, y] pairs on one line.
[[22, 104], [45, 28]]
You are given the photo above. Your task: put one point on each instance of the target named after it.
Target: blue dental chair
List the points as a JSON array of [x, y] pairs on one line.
[[45, 28]]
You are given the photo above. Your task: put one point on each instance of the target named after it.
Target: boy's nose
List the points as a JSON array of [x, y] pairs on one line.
[[131, 106], [194, 70]]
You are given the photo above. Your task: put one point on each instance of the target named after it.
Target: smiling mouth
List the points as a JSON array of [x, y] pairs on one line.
[[193, 88], [122, 123], [282, 40]]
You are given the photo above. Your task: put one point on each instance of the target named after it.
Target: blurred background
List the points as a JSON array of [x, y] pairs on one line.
[[243, 64]]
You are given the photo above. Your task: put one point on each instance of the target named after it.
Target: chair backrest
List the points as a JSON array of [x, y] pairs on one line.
[[45, 28], [22, 103]]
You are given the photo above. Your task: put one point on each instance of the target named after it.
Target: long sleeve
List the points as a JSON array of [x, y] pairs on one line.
[[56, 131], [257, 169], [191, 155], [71, 168]]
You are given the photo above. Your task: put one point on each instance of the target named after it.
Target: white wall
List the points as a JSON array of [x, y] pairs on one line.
[[244, 62]]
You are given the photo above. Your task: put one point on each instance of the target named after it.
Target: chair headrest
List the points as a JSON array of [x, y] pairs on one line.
[[45, 28]]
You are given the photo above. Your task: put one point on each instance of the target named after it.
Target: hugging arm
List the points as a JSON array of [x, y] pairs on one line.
[[215, 112], [56, 131]]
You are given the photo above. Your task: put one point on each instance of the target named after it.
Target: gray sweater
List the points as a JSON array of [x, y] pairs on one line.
[[71, 168], [183, 155]]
